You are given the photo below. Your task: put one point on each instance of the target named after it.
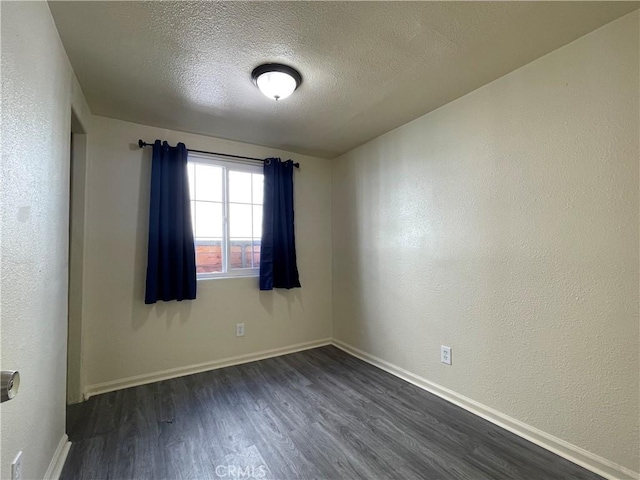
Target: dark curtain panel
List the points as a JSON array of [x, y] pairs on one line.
[[278, 267], [171, 263]]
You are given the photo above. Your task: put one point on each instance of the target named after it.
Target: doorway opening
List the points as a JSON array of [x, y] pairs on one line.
[[77, 184]]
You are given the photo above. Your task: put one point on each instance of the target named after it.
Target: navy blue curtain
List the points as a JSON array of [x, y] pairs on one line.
[[278, 267], [171, 262]]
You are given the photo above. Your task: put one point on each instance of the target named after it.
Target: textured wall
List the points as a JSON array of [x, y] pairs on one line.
[[123, 336], [505, 225], [38, 90]]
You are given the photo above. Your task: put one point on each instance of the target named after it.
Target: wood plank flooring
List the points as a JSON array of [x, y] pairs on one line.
[[317, 414]]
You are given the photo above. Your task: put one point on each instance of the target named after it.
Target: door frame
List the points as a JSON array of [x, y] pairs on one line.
[[78, 167]]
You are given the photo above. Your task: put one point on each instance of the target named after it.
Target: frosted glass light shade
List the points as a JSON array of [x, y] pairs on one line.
[[276, 85], [276, 81]]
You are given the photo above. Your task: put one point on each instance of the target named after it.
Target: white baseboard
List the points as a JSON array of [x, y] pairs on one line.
[[58, 459], [137, 380], [577, 455]]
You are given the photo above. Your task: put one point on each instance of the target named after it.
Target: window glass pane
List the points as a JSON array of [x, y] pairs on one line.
[[208, 220], [209, 256], [258, 184], [240, 222], [256, 252], [190, 171], [208, 182], [239, 187], [257, 221], [240, 253], [193, 217]]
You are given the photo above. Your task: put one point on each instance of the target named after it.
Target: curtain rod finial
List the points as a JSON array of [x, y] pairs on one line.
[[141, 143]]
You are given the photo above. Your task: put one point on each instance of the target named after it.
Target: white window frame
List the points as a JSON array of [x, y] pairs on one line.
[[236, 166]]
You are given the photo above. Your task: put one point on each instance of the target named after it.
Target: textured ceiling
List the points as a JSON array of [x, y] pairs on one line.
[[368, 67]]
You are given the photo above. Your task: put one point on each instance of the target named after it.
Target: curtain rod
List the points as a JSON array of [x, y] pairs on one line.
[[142, 144]]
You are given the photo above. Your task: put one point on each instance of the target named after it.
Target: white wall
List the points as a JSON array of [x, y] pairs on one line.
[[38, 92], [123, 337], [505, 225]]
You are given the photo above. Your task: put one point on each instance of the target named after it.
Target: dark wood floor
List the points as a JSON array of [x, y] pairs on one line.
[[314, 414]]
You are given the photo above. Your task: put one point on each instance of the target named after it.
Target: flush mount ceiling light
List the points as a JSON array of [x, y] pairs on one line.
[[276, 81]]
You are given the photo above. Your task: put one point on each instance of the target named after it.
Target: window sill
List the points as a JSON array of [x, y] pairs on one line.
[[227, 277]]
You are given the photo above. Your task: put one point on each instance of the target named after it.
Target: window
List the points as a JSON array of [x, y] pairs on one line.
[[226, 212]]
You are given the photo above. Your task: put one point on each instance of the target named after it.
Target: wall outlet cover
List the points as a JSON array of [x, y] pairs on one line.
[[239, 329], [445, 354], [16, 467]]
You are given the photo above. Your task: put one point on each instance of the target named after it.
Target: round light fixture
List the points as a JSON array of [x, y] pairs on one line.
[[275, 80]]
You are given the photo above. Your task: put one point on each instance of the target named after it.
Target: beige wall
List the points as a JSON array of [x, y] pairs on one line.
[[505, 225], [38, 92], [123, 337]]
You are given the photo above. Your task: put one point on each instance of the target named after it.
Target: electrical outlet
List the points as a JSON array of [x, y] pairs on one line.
[[445, 354], [16, 467], [239, 329]]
